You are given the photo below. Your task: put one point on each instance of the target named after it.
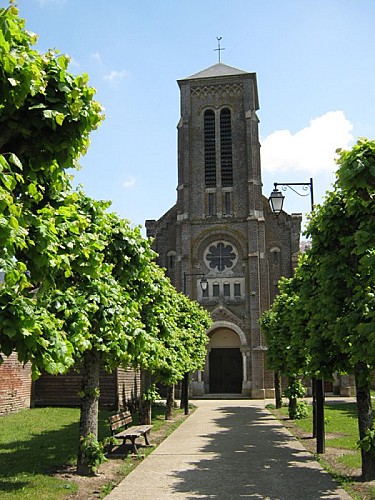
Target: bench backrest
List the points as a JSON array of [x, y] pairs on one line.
[[121, 419]]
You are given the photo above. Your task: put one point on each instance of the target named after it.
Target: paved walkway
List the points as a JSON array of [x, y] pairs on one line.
[[229, 449]]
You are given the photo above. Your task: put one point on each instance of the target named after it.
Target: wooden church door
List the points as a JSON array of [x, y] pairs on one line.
[[225, 370]]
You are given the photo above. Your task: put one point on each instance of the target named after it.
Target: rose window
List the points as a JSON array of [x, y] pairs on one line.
[[220, 256]]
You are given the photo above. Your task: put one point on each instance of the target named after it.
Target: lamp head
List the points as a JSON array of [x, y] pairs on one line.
[[204, 284], [276, 201]]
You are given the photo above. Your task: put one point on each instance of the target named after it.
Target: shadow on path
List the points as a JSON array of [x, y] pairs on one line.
[[252, 456]]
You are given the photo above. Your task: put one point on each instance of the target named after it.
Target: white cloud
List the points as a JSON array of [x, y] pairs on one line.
[[312, 149], [129, 183], [96, 56], [115, 77]]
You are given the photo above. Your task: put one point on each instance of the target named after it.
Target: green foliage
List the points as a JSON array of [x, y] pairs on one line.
[[328, 305], [93, 452], [78, 279], [295, 389], [301, 411], [333, 315], [176, 331], [151, 394], [46, 116], [367, 443]]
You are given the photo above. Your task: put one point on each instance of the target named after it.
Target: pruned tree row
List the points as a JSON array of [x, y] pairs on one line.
[[81, 287], [323, 321]]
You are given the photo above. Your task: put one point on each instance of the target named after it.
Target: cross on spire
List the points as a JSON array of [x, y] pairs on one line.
[[219, 49]]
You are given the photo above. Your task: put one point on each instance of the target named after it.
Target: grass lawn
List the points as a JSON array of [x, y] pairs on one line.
[[36, 443], [341, 431], [341, 428]]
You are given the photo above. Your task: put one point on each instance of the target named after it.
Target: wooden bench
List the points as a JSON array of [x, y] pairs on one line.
[[124, 419]]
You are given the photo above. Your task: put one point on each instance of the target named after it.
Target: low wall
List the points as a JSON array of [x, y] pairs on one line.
[[15, 385]]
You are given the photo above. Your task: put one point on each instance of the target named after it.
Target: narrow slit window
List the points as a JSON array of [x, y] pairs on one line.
[[209, 149], [171, 260], [226, 290], [215, 290], [237, 290]]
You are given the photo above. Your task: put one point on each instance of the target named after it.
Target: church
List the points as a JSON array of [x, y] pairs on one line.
[[220, 243]]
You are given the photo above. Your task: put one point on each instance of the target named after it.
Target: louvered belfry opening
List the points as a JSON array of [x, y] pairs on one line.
[[226, 148], [209, 149]]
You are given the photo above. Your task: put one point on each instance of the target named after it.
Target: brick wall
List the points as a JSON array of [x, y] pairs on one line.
[[63, 390], [128, 386], [15, 385]]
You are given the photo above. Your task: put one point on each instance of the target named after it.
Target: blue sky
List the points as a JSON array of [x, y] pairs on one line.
[[314, 61]]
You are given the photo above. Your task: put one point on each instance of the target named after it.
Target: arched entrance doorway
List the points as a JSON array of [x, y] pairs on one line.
[[225, 362]]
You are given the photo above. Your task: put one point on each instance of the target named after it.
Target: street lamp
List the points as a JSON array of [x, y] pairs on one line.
[[276, 201], [203, 282], [204, 285]]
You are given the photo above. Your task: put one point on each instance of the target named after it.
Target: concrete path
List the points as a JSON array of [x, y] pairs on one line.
[[229, 449]]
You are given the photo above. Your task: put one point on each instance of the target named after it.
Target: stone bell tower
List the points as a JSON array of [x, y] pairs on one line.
[[221, 228]]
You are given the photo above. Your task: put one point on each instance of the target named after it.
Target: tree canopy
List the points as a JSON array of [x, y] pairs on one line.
[[46, 116], [333, 312], [81, 285]]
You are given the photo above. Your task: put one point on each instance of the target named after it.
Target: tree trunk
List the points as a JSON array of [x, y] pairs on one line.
[[144, 404], [313, 383], [88, 423], [278, 391], [169, 408], [292, 408], [182, 394], [186, 393], [365, 417], [320, 428]]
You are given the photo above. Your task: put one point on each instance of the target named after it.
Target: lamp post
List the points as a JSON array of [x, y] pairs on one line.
[[276, 201], [185, 385]]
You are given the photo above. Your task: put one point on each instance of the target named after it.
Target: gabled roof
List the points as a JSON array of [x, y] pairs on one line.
[[218, 69]]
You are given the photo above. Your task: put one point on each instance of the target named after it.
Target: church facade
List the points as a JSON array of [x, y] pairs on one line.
[[221, 232]]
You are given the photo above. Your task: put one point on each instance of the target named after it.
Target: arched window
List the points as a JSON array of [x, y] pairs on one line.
[[209, 148], [226, 148]]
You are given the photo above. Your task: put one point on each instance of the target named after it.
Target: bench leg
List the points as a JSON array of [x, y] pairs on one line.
[[146, 439], [134, 446]]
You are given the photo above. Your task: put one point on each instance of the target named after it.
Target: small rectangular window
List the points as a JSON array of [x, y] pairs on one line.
[[210, 203], [237, 290], [205, 292], [215, 290], [227, 201]]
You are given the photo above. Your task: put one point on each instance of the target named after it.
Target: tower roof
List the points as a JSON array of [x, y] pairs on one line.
[[218, 69]]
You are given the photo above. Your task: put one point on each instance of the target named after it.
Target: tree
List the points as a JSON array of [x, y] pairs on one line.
[[76, 277], [177, 327], [335, 286], [97, 300], [343, 254], [46, 116], [286, 355]]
